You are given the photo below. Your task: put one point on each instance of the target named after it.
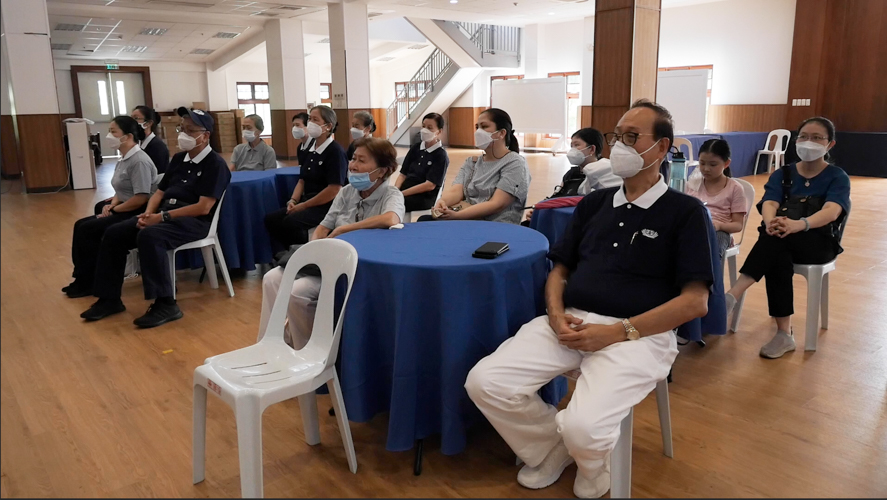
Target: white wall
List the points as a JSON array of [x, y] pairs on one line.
[[173, 84], [384, 75], [560, 47], [749, 43], [242, 72]]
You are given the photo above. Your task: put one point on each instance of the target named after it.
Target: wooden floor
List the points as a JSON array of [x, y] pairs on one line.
[[103, 409]]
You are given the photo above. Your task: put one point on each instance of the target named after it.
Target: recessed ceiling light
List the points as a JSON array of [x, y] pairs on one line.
[[153, 31], [454, 1], [551, 13], [134, 48]]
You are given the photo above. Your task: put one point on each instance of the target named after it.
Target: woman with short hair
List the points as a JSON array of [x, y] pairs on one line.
[[424, 167]]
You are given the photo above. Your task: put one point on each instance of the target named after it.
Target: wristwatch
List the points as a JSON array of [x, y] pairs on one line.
[[631, 333], [165, 216]]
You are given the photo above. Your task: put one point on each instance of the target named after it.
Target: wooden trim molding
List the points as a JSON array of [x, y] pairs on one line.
[[144, 70]]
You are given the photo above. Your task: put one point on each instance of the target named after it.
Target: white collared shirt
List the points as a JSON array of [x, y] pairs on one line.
[[319, 149], [200, 156], [147, 139], [135, 149], [645, 200], [430, 149]]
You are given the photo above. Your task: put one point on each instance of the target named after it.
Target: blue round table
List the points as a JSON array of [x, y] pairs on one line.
[[423, 312], [286, 179], [552, 222]]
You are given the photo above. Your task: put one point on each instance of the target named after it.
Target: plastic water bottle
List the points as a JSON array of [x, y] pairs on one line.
[[678, 177]]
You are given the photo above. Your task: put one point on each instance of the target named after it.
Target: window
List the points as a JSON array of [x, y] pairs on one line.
[[121, 97], [415, 91], [252, 98], [574, 85], [326, 93], [103, 97]]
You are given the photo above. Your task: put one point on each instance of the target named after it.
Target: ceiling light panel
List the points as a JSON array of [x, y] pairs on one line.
[[202, 52], [134, 48], [153, 31], [69, 27], [224, 34]]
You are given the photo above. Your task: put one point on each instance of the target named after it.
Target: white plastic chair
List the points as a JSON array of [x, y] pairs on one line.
[[777, 154], [620, 460], [817, 295], [733, 252], [680, 141], [206, 246], [253, 378]]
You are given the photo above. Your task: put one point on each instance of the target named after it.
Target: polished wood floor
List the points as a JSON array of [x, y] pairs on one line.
[[104, 409]]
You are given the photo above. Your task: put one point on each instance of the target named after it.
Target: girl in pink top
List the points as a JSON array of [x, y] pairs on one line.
[[721, 194]]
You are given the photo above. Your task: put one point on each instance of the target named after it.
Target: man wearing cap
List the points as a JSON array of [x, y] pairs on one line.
[[180, 211]]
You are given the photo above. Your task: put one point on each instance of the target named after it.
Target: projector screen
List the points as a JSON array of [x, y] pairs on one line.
[[536, 105], [683, 93]]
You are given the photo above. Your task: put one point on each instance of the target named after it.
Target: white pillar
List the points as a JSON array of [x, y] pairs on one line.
[[587, 61], [531, 51], [350, 57], [285, 52], [217, 90]]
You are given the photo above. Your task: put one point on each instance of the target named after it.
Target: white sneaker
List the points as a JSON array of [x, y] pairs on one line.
[[595, 487], [549, 471]]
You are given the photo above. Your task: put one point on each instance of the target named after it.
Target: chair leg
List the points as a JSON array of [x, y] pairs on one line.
[[198, 434], [342, 419], [757, 162], [823, 305], [249, 447], [664, 417], [171, 256], [224, 265], [814, 296], [310, 422], [620, 461], [737, 312], [210, 264]]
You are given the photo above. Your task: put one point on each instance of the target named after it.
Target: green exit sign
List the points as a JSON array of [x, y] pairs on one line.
[[112, 66]]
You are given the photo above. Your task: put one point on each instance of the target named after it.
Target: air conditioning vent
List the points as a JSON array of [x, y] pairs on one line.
[[265, 14], [385, 59], [373, 14], [153, 31], [202, 52], [223, 34], [69, 27], [290, 7], [325, 40], [134, 48], [418, 46], [60, 46], [179, 3]]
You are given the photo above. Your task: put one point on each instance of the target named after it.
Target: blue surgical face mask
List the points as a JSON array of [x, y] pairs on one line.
[[361, 180]]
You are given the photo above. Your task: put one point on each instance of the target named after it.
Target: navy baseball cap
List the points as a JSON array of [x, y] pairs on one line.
[[199, 116]]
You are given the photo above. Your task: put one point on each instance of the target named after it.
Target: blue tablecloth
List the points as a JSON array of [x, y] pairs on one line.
[[555, 223], [552, 222], [744, 147], [245, 242], [286, 179], [423, 312]]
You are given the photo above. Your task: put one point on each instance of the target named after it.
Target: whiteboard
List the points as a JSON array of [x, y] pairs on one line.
[[683, 93], [536, 105]]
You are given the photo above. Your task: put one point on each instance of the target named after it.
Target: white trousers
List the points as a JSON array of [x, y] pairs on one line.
[[300, 309], [503, 386]]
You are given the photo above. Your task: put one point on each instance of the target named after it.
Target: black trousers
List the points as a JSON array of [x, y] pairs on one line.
[[293, 229], [88, 233], [153, 243], [421, 201], [773, 258]]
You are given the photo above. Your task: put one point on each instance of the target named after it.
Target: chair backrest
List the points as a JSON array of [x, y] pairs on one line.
[[749, 192], [843, 224], [334, 258], [708, 131], [215, 223], [779, 139], [680, 141]]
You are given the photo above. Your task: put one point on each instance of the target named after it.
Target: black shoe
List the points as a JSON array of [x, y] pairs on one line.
[[78, 289], [159, 314], [102, 309]]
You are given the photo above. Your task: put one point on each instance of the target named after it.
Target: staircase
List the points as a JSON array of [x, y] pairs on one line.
[[416, 96], [490, 45]]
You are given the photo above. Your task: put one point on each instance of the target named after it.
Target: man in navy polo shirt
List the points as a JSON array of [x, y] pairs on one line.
[[633, 266], [180, 211]]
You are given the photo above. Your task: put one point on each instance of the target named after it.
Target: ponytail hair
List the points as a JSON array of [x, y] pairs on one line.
[[503, 121], [719, 148], [128, 125]]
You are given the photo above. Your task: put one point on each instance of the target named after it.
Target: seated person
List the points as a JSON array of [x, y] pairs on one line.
[[323, 174], [300, 133], [254, 154], [362, 125], [180, 211], [154, 146], [589, 171], [811, 237], [634, 264], [496, 183], [424, 167], [367, 202], [722, 196], [133, 176]]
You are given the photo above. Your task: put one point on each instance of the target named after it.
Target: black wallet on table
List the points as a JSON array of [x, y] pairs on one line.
[[490, 250]]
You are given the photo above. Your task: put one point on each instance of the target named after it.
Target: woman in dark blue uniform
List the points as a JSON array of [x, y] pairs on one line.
[[151, 144], [324, 172], [300, 133], [424, 167]]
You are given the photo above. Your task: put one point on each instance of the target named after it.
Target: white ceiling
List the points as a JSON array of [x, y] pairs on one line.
[[111, 27]]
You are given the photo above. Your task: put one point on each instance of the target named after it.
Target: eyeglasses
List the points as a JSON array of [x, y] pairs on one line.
[[816, 138], [627, 138], [179, 130]]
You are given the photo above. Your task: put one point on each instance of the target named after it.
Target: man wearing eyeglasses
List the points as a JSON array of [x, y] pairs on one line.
[[180, 211], [633, 265]]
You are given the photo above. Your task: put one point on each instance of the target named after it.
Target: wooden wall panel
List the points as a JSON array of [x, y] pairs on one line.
[[11, 166], [747, 117], [461, 125], [584, 116], [380, 116], [646, 51], [613, 55], [605, 118], [807, 52], [42, 152]]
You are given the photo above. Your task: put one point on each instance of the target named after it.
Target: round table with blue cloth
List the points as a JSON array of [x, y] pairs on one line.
[[423, 312], [286, 179], [552, 222], [250, 196]]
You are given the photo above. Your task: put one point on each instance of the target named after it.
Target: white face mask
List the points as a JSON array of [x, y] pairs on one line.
[[482, 138], [426, 135], [314, 130], [810, 151], [575, 156], [113, 142], [298, 132], [144, 125], [627, 162], [249, 135], [356, 133], [186, 142]]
